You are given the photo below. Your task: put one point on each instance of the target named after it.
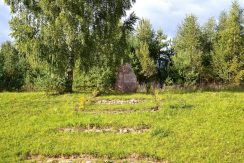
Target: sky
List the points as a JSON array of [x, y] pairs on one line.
[[164, 14], [4, 19]]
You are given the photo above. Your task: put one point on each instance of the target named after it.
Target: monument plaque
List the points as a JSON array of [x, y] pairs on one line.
[[126, 80]]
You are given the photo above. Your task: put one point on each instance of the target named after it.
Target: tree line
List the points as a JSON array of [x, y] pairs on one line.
[[64, 45]]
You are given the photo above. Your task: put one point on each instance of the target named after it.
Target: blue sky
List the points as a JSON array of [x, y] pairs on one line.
[[165, 14], [4, 18]]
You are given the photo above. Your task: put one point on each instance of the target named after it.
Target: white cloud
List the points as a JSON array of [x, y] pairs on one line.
[[168, 14], [4, 19], [165, 14]]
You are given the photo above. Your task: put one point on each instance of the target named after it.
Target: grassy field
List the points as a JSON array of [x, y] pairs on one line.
[[187, 127]]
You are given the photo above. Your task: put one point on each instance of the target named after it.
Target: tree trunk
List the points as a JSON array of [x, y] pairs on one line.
[[69, 74]]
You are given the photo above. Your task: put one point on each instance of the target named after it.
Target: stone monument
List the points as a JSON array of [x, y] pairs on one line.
[[126, 81]]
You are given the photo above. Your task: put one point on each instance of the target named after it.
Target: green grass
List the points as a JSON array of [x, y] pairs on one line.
[[189, 127]]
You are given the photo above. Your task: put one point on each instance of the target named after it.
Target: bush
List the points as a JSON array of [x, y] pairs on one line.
[[99, 79], [51, 84]]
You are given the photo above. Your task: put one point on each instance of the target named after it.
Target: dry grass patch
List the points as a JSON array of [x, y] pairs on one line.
[[95, 129], [89, 159], [120, 102]]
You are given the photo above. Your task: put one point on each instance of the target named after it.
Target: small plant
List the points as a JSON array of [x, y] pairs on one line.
[[142, 88], [83, 101], [160, 132], [95, 93], [156, 97]]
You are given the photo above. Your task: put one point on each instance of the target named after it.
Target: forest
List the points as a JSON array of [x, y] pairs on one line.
[[79, 46]]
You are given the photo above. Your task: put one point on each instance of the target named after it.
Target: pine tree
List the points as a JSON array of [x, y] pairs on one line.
[[188, 49], [146, 62], [144, 31], [155, 40], [146, 40], [222, 21], [208, 37], [227, 58]]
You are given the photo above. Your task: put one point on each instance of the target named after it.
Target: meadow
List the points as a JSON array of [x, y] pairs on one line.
[[175, 127]]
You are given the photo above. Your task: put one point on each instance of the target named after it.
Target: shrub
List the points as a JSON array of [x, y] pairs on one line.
[[51, 84], [98, 79]]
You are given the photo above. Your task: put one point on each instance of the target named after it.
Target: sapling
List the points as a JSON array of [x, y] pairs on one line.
[[83, 100], [156, 98]]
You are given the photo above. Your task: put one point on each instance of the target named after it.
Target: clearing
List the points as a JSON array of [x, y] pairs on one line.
[[187, 127]]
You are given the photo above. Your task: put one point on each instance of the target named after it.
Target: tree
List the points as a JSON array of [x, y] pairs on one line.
[[58, 33], [155, 40], [208, 37], [164, 62], [140, 43], [188, 49], [1, 69], [146, 62], [144, 32], [12, 68], [222, 21], [147, 41], [227, 58]]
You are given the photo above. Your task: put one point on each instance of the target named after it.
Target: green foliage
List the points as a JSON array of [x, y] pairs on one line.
[[140, 46], [144, 31], [187, 46], [208, 37], [64, 32], [12, 68], [147, 64], [227, 57], [222, 21], [51, 84], [155, 40], [61, 43], [99, 79], [145, 46], [1, 69], [157, 98]]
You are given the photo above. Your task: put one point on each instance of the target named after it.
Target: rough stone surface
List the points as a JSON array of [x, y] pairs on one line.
[[126, 80], [120, 102], [137, 130], [89, 159]]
